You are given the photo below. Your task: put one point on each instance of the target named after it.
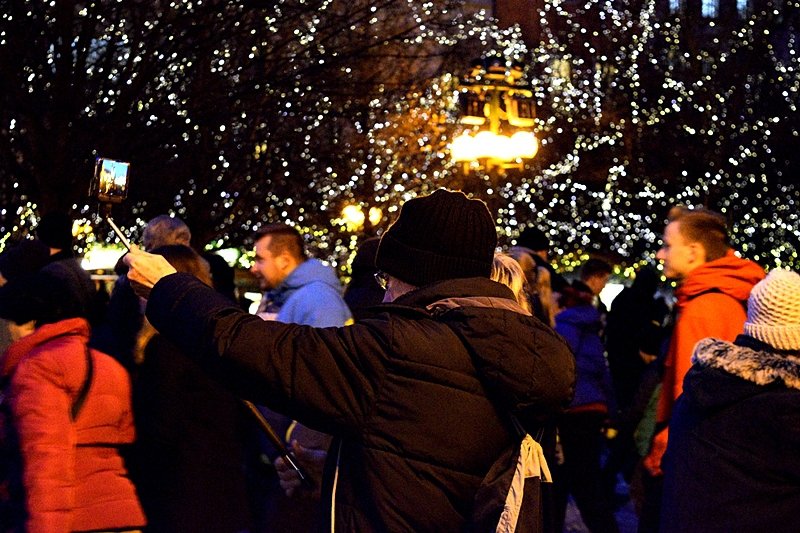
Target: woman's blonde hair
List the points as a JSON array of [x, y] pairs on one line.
[[538, 283], [545, 294], [507, 271]]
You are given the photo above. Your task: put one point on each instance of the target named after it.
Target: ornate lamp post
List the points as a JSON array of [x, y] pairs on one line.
[[495, 96]]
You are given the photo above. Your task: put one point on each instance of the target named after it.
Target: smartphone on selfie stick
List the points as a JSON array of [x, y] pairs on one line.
[[110, 186]]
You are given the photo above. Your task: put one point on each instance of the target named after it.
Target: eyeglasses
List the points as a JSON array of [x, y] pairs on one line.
[[382, 278]]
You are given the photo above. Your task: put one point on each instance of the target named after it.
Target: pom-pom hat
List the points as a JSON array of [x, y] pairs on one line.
[[773, 310], [444, 235]]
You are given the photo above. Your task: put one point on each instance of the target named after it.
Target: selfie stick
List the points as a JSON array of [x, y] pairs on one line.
[[125, 242], [105, 212], [278, 443]]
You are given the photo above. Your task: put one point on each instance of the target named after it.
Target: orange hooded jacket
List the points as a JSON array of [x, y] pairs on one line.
[[711, 303]]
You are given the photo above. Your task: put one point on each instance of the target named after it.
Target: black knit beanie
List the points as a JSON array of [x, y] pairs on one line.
[[41, 296], [444, 235], [534, 239], [25, 257], [364, 261], [55, 230]]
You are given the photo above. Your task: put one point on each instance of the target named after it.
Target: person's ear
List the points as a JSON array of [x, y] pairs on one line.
[[17, 331], [285, 261], [697, 253]]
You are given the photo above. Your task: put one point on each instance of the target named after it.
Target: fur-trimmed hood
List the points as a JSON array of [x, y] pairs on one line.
[[757, 366], [731, 462]]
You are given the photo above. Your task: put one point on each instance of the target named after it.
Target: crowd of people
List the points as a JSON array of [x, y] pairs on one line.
[[453, 385]]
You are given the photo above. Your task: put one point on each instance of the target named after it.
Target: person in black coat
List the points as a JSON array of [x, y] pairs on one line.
[[189, 460], [634, 332], [732, 462], [537, 244], [423, 399], [116, 334]]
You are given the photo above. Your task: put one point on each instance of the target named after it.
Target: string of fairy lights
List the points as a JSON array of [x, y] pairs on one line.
[[632, 118]]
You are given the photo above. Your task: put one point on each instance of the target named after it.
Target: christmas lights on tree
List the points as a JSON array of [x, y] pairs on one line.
[[235, 116]]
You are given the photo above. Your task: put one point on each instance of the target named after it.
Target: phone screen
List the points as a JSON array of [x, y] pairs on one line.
[[110, 182]]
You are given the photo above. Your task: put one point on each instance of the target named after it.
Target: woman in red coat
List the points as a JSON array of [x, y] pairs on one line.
[[73, 474]]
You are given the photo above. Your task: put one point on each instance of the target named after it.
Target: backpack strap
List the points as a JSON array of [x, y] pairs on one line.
[[499, 498], [84, 390], [717, 290]]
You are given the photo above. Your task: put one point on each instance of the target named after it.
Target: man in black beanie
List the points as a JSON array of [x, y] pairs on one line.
[[425, 400]]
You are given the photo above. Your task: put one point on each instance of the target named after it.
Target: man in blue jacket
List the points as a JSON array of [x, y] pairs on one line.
[[580, 429], [424, 400], [298, 290]]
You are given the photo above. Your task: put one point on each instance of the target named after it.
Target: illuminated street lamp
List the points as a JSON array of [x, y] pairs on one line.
[[353, 216], [496, 147], [494, 94]]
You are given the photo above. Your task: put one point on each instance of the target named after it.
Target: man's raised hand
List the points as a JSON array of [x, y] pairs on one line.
[[146, 270]]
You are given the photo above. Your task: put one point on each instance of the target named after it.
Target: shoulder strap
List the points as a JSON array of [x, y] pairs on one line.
[[84, 391], [511, 420]]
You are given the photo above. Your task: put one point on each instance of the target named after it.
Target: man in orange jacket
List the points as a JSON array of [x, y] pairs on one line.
[[711, 301]]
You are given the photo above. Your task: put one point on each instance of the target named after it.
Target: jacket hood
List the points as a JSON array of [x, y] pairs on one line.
[[729, 275], [526, 367], [716, 360], [309, 271], [41, 335]]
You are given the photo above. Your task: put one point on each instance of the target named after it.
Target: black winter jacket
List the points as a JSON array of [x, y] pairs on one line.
[[732, 462], [406, 393]]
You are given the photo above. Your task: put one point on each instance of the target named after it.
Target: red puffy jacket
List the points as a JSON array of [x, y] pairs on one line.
[[74, 476]]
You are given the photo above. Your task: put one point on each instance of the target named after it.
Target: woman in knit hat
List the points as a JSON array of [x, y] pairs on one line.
[[733, 460], [17, 261]]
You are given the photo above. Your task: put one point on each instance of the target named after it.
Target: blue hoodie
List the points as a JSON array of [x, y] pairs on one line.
[[310, 295]]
